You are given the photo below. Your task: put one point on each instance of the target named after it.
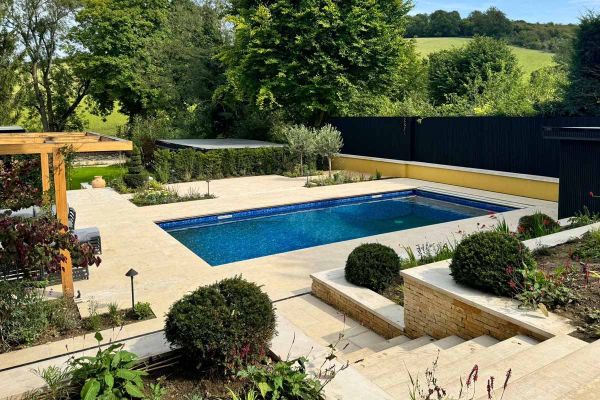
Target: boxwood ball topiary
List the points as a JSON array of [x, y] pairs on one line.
[[484, 261], [222, 326], [372, 265]]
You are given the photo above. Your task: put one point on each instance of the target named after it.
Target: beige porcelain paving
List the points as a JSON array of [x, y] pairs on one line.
[[167, 269]]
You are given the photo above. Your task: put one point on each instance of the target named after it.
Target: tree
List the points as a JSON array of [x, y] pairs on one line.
[[309, 58], [450, 71], [11, 62], [417, 26], [53, 87], [115, 39], [301, 141], [444, 24], [328, 143], [583, 96], [492, 22]]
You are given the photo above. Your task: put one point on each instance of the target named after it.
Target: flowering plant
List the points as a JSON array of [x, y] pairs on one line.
[[32, 246]]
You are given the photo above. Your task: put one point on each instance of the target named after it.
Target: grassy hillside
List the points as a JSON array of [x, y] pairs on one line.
[[530, 60]]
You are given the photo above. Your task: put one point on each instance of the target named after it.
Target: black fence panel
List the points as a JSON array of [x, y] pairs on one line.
[[376, 136], [510, 144]]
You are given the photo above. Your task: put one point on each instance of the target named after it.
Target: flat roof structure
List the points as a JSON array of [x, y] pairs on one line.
[[214, 144], [12, 129]]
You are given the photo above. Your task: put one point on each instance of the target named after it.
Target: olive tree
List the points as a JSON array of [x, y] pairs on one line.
[[301, 141], [328, 143]]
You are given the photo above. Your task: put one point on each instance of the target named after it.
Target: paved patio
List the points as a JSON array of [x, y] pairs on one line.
[[168, 270]]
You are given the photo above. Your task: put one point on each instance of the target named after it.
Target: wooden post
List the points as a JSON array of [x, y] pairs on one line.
[[62, 213], [45, 166]]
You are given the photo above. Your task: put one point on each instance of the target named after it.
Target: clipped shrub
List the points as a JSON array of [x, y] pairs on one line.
[[223, 326], [537, 225], [487, 261], [373, 266], [162, 165], [135, 176]]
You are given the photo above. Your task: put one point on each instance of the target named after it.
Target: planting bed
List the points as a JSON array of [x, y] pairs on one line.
[[584, 312]]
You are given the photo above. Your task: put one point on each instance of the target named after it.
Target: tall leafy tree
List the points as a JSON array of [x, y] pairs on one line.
[[444, 23], [116, 38], [492, 22], [583, 95], [309, 57], [451, 71], [10, 74], [54, 89]]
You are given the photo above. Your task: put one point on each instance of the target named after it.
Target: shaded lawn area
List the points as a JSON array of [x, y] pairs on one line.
[[86, 174]]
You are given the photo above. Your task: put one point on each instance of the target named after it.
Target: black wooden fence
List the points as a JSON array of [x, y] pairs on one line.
[[511, 144]]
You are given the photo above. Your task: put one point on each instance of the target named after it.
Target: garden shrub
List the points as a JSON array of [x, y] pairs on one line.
[[22, 314], [372, 265], [589, 248], [188, 164], [486, 261], [222, 326], [537, 225], [135, 177]]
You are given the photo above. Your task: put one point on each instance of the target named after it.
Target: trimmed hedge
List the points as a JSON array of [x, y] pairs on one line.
[[488, 261], [373, 266], [223, 326], [189, 164]]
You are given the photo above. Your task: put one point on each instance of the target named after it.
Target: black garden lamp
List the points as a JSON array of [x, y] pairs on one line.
[[131, 273]]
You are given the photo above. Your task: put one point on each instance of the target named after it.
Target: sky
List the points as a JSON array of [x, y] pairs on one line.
[[560, 11]]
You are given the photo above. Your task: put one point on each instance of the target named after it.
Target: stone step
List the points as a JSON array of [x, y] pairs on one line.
[[413, 364], [361, 354], [587, 391], [560, 378], [520, 364], [463, 366], [413, 344]]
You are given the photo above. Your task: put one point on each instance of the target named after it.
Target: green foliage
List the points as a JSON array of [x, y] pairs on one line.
[[109, 374], [188, 164], [328, 143], [62, 315], [301, 142], [339, 178], [136, 175], [114, 314], [484, 261], [11, 95], [142, 311], [157, 194], [22, 314], [223, 326], [583, 218], [426, 254], [282, 380], [372, 265], [536, 225], [538, 287], [144, 131], [119, 60], [583, 95], [451, 71], [589, 248], [285, 57]]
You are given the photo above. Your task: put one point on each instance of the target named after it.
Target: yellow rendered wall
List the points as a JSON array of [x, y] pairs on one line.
[[493, 183]]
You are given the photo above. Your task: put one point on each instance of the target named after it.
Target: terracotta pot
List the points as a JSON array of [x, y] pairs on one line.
[[98, 182]]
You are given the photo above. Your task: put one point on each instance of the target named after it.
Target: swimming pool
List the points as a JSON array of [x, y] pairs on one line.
[[226, 238]]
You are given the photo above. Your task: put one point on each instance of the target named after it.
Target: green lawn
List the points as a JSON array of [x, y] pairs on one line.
[[530, 60], [86, 174], [107, 127]]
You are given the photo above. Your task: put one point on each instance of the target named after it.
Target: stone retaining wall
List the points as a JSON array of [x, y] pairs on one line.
[[431, 312], [355, 311]]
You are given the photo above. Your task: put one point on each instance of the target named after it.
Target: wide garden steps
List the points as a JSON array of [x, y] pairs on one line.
[[377, 347], [578, 370], [398, 370], [461, 367]]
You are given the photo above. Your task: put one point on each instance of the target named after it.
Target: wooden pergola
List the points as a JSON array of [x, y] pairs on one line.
[[55, 143]]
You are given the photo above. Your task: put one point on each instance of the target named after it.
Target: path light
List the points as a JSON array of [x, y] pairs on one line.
[[131, 273]]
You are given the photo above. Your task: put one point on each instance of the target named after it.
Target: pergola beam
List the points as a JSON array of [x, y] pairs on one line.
[[46, 143]]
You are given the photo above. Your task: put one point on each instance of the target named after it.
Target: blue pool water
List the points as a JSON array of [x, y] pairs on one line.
[[222, 239]]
